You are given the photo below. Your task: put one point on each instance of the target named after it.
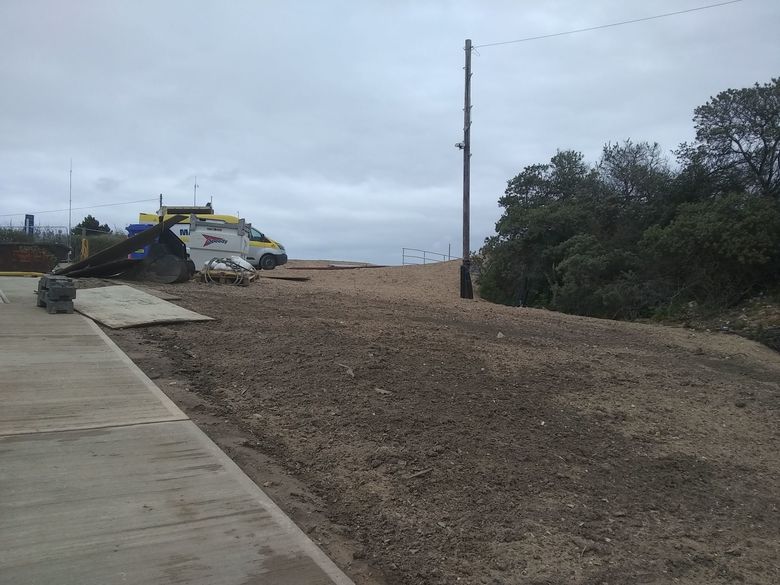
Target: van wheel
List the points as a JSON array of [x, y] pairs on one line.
[[268, 262]]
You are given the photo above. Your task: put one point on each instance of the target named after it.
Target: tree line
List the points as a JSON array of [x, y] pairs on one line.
[[637, 235]]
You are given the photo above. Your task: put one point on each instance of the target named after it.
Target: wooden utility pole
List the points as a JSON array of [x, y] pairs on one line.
[[466, 290]]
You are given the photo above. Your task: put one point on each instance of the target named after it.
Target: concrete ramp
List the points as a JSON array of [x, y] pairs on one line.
[[103, 480]]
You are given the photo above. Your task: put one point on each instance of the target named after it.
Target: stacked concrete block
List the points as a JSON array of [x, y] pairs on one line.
[[56, 293]]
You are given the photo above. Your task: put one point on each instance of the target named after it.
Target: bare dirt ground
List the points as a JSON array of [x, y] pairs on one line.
[[424, 439]]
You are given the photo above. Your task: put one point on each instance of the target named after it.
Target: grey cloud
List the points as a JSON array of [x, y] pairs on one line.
[[107, 184], [331, 125], [224, 176]]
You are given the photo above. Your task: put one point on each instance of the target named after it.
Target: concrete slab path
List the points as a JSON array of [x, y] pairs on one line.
[[103, 480]]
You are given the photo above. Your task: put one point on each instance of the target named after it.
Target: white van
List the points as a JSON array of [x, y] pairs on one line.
[[263, 253]]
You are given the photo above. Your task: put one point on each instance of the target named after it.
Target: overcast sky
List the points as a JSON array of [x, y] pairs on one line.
[[331, 125]]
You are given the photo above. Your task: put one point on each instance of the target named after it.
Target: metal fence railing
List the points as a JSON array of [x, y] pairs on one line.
[[415, 256], [49, 233]]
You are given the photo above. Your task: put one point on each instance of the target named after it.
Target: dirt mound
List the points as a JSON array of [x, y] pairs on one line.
[[457, 441], [431, 283]]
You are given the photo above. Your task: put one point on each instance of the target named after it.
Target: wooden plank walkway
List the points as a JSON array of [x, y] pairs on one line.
[[104, 480]]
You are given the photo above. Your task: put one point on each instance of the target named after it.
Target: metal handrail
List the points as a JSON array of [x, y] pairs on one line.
[[427, 257]]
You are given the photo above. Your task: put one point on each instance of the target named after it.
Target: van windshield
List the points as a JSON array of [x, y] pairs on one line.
[[257, 236]]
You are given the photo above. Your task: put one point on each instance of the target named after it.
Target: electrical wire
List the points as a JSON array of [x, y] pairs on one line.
[[79, 208], [632, 21]]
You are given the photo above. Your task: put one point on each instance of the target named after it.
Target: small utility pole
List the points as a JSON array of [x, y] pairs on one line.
[[195, 192], [70, 210], [466, 290]]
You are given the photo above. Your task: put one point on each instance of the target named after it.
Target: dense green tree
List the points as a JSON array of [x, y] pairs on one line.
[[562, 178], [634, 181], [594, 279], [716, 251], [629, 236], [634, 172], [520, 266], [738, 139], [92, 226]]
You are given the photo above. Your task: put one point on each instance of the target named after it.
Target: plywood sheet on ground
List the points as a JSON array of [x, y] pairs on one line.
[[160, 294], [153, 503], [125, 306], [87, 283]]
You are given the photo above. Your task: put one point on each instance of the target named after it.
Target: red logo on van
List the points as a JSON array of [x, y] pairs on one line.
[[213, 240]]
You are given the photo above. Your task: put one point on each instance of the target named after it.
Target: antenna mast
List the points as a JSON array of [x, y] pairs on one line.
[[70, 207]]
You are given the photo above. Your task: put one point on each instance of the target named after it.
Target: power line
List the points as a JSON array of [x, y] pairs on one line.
[[579, 30], [80, 208]]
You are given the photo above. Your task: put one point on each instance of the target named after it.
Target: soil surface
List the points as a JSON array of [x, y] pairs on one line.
[[420, 438]]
